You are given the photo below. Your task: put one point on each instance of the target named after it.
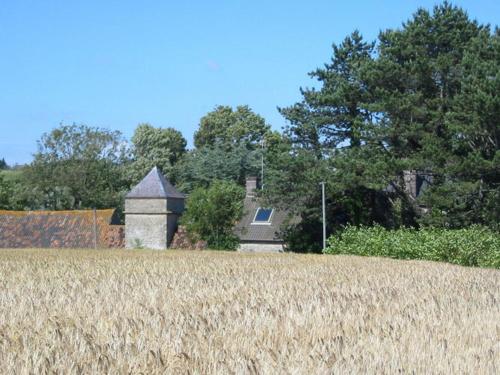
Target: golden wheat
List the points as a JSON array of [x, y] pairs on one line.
[[78, 311]]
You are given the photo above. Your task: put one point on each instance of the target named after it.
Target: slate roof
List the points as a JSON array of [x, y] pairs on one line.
[[58, 229], [248, 231], [154, 185]]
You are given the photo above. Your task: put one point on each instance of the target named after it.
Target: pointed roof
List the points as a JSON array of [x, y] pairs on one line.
[[154, 185]]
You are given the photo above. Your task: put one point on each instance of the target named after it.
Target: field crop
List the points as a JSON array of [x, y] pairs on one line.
[[79, 311]]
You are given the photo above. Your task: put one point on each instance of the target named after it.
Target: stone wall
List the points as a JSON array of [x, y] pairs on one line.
[[141, 206], [115, 236], [146, 223], [261, 247], [181, 241], [147, 231]]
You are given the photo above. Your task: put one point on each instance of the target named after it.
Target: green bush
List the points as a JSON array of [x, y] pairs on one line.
[[474, 246], [211, 214]]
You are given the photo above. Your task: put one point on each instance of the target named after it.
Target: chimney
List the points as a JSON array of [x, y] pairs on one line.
[[410, 182], [251, 185]]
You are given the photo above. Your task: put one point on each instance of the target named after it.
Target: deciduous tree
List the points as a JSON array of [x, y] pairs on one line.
[[161, 147], [77, 166], [212, 213], [230, 127]]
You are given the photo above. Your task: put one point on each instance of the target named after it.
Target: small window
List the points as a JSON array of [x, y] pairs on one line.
[[263, 215]]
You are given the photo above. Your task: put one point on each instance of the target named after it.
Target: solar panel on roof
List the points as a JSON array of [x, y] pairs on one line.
[[263, 214]]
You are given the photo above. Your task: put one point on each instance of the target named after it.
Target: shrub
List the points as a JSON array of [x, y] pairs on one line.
[[211, 214], [474, 246]]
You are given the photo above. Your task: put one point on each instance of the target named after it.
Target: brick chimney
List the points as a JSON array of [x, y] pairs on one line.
[[251, 185]]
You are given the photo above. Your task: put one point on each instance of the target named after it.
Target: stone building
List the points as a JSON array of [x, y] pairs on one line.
[[152, 211]]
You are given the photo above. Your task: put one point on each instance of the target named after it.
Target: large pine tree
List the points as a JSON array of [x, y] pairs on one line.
[[425, 100], [336, 114], [435, 82]]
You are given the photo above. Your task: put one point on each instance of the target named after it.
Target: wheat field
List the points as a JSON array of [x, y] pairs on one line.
[[80, 311]]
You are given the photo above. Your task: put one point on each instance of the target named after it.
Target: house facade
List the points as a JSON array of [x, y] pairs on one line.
[[259, 230]]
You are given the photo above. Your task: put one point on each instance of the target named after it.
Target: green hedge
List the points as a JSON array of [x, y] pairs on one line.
[[474, 246]]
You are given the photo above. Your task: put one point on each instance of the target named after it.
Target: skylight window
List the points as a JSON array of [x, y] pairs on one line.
[[263, 215]]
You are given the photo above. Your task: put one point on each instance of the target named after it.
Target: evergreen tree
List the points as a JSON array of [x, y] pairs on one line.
[[201, 166], [431, 79], [469, 182], [3, 164], [425, 103], [337, 114], [331, 131]]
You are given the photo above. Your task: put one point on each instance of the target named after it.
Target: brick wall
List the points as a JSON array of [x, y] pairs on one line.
[[181, 241]]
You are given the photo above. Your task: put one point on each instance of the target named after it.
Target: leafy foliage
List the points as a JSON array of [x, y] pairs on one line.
[[336, 114], [161, 147], [228, 127], [437, 91], [201, 166], [78, 166], [229, 147], [421, 99], [212, 213], [474, 246], [5, 193], [15, 193]]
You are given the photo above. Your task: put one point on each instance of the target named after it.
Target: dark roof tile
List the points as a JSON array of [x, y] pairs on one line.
[[154, 185], [248, 231]]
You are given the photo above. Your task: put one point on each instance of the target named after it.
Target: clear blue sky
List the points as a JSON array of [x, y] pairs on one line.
[[115, 64]]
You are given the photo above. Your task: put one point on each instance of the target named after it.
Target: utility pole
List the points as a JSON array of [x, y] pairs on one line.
[[324, 214], [262, 167], [95, 228]]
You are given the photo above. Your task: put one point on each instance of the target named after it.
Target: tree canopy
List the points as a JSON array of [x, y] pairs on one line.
[[201, 166], [420, 100], [230, 127], [229, 147], [212, 212], [77, 166], [336, 115], [5, 193], [161, 147]]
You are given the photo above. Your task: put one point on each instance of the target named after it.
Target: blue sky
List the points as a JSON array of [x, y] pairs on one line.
[[115, 64]]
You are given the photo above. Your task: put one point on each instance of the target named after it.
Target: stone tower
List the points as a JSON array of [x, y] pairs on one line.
[[152, 209]]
